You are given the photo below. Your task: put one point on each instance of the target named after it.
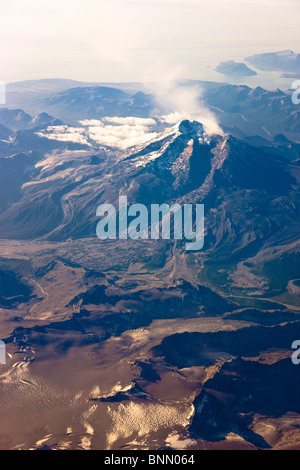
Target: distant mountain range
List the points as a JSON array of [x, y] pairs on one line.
[[254, 111], [95, 102], [285, 61], [17, 119]]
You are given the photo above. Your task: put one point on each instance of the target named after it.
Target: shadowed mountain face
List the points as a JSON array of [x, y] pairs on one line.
[[240, 390], [139, 343], [13, 291], [204, 349], [14, 172]]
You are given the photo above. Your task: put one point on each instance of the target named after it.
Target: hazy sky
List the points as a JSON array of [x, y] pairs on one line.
[[133, 40]]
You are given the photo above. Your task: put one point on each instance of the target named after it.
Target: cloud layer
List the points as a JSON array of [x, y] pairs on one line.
[[116, 132]]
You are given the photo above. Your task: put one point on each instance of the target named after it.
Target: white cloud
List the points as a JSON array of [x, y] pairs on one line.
[[132, 121], [174, 118], [91, 122], [182, 102], [65, 134], [121, 132], [122, 136]]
